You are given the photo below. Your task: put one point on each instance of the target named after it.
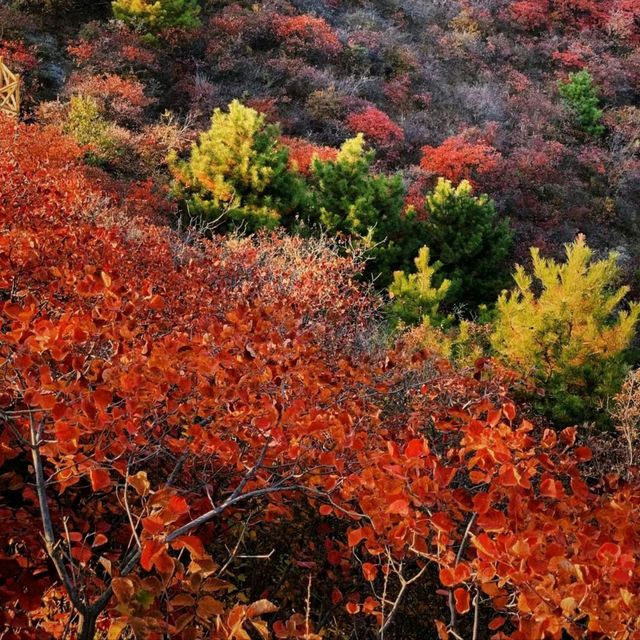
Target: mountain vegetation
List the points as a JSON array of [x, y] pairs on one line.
[[318, 320]]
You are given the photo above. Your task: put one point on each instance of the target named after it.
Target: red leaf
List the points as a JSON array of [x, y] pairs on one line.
[[485, 545], [369, 571], [509, 410], [415, 448], [609, 552], [399, 507], [492, 520], [102, 398], [356, 536], [549, 488], [493, 417], [568, 436], [452, 576], [462, 599], [99, 479], [496, 623], [447, 577], [352, 608], [178, 505], [442, 522], [583, 454], [153, 525], [481, 503], [192, 543], [150, 550]]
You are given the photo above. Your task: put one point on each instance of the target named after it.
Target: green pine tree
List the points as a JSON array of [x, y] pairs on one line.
[[347, 198], [582, 96], [154, 15], [563, 327], [414, 297], [238, 172], [465, 234]]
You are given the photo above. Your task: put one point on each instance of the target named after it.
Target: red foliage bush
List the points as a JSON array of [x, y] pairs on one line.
[[376, 126], [305, 33], [17, 56], [112, 49], [120, 99], [302, 152], [461, 158]]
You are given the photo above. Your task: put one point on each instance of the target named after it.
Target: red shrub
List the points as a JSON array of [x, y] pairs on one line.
[[301, 34], [122, 99], [302, 152], [376, 126], [459, 158], [17, 56]]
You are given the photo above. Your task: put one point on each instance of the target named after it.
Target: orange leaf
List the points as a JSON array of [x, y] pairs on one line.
[[261, 607], [369, 571], [192, 543], [178, 505], [462, 599], [99, 540], [414, 448], [399, 507], [99, 479], [443, 634]]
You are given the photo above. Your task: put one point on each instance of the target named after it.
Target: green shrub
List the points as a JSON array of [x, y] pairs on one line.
[[154, 15], [347, 198], [465, 234], [582, 96], [238, 172], [414, 297], [562, 327]]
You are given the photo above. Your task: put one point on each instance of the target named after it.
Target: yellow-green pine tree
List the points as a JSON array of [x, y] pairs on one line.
[[563, 328], [153, 15], [414, 297], [238, 171]]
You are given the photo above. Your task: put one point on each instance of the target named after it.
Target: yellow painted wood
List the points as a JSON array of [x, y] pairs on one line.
[[9, 91]]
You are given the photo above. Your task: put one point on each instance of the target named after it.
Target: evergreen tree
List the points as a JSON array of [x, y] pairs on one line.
[[414, 297], [465, 234], [562, 327], [154, 15], [238, 172], [582, 97], [347, 198]]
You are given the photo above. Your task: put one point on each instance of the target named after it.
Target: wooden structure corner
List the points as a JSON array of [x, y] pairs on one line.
[[9, 91]]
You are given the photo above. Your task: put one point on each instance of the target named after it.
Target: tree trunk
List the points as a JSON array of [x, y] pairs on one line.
[[87, 627]]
